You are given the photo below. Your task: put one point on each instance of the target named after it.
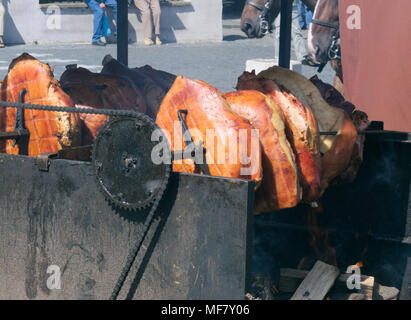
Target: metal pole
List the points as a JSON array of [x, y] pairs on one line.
[[122, 31], [285, 33]]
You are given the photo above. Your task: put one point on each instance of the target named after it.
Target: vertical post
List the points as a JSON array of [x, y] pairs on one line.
[[122, 31], [285, 33]]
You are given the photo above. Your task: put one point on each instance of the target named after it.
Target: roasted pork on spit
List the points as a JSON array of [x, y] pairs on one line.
[[336, 149], [280, 187], [100, 91], [164, 79], [360, 121], [49, 131], [210, 120], [301, 128], [152, 92], [267, 131]]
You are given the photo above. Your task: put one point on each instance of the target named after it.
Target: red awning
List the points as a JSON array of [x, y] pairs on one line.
[[377, 60]]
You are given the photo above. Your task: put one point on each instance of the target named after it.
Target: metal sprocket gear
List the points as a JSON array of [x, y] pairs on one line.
[[123, 164]]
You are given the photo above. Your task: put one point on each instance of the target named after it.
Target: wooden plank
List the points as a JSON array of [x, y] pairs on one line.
[[347, 296], [386, 293], [317, 283], [290, 279]]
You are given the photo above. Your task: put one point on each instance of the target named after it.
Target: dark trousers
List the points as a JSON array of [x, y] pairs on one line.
[[98, 12]]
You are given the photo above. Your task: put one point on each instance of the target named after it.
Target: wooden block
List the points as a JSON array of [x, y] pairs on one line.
[[290, 279], [347, 296], [317, 283], [386, 293]]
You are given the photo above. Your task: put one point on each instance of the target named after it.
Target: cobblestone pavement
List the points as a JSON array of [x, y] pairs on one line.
[[218, 63]]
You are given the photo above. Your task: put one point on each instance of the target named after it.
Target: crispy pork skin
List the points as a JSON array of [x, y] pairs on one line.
[[336, 149], [231, 150], [301, 128], [328, 118], [49, 131], [280, 186], [153, 93]]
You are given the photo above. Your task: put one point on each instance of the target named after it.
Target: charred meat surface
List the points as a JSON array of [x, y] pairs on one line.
[[85, 96], [100, 91], [153, 93], [116, 92], [163, 78]]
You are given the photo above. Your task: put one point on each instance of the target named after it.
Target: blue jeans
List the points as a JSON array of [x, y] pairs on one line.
[[99, 14], [304, 15]]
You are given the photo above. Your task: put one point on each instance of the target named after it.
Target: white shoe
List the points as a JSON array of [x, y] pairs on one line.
[[148, 42]]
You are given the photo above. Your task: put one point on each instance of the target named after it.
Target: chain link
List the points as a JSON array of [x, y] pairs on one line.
[[108, 112]]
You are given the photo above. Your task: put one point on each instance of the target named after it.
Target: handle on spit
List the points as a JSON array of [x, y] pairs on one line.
[[188, 139]]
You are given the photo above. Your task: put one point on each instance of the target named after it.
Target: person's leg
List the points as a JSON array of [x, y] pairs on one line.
[[112, 4], [156, 11], [299, 42], [98, 19], [297, 37], [144, 8]]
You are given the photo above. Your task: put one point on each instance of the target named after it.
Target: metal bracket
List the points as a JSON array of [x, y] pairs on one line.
[[20, 135], [43, 160], [188, 139]]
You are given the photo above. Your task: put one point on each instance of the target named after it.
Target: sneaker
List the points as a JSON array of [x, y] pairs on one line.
[[98, 43], [148, 42], [2, 44], [158, 41]]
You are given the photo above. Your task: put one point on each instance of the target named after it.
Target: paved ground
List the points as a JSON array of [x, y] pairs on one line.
[[219, 64]]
